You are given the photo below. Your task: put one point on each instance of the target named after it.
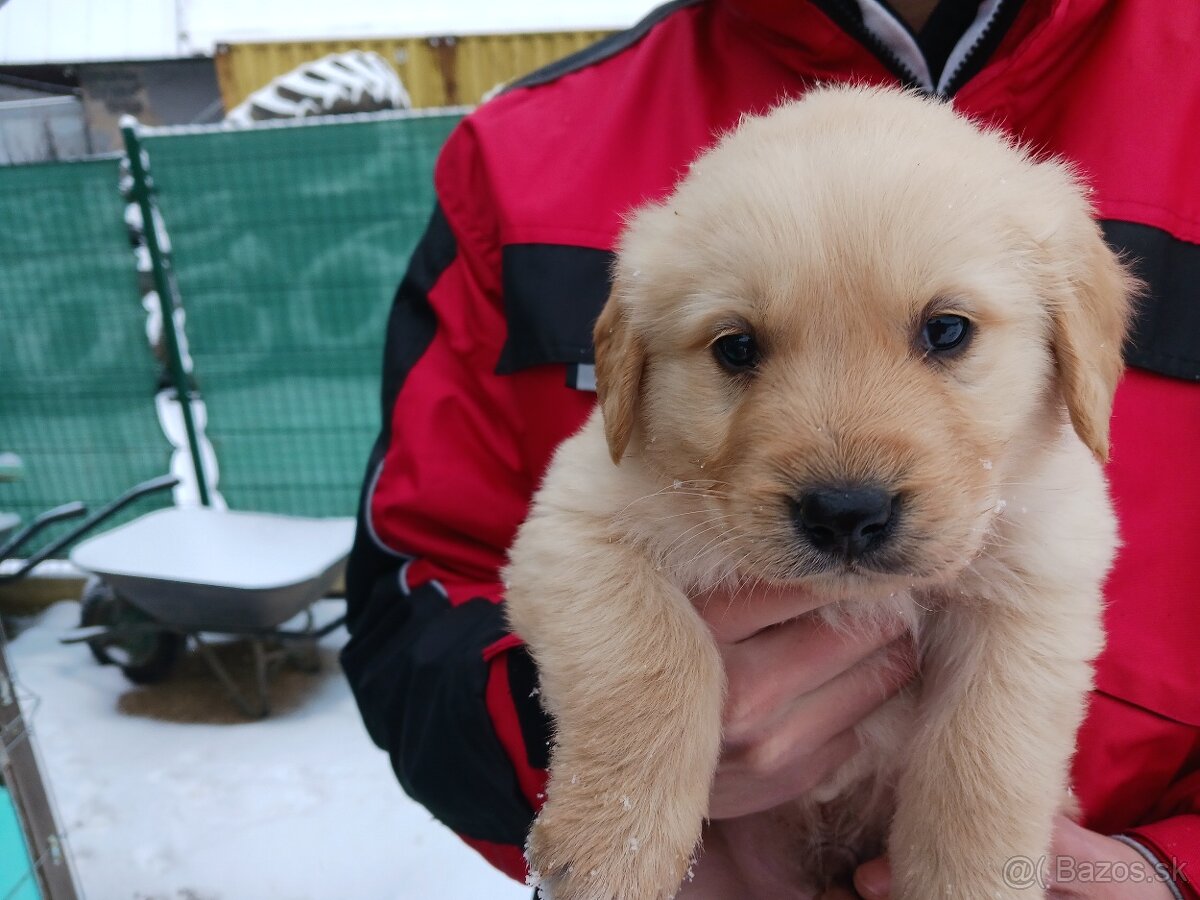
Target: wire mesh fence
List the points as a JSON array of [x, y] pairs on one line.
[[287, 244], [75, 374]]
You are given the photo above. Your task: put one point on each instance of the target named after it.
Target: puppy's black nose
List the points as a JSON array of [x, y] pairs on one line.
[[847, 521]]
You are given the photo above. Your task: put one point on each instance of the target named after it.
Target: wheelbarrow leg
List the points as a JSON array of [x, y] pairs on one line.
[[260, 676], [303, 652], [262, 708]]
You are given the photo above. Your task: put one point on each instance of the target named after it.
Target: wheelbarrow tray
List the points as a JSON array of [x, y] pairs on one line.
[[201, 569]]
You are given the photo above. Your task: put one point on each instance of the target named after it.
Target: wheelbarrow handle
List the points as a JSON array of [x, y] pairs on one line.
[[153, 485], [162, 482], [66, 511]]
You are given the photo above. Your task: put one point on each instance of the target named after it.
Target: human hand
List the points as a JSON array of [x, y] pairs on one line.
[[1083, 865], [796, 689]]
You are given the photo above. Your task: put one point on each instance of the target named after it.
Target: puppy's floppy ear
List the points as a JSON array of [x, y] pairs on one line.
[[1090, 317], [620, 358]]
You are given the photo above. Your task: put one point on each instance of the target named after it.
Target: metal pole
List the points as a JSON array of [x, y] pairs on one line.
[[164, 286]]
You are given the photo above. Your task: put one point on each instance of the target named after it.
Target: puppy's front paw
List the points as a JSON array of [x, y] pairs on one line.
[[968, 878], [577, 852]]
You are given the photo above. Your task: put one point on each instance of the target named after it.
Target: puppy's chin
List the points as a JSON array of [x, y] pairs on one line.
[[932, 565], [859, 582], [881, 573]]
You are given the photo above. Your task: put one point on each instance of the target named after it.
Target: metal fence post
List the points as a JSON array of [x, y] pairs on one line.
[[165, 287]]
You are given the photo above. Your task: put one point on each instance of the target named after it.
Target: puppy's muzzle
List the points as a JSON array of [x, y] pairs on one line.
[[847, 522]]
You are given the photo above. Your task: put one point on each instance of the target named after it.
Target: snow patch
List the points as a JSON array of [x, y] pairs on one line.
[[300, 805]]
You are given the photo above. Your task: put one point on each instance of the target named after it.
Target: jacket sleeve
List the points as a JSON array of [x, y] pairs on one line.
[[441, 684], [1174, 842]]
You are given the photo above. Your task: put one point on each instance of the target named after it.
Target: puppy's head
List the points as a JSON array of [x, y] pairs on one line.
[[851, 321]]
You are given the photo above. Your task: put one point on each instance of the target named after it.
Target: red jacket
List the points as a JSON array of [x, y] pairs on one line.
[[488, 367]]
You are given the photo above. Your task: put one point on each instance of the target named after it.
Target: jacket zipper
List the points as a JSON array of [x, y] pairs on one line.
[[952, 83], [847, 14], [848, 17]]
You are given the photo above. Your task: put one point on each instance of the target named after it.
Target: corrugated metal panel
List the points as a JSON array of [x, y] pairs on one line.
[[437, 71], [52, 31], [69, 31], [42, 130], [212, 22]]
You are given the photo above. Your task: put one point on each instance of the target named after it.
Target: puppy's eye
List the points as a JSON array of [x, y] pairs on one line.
[[945, 333], [736, 352]]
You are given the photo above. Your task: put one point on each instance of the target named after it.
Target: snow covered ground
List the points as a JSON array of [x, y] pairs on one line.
[[300, 806]]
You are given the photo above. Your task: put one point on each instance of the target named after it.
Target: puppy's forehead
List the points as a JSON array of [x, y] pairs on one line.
[[870, 198]]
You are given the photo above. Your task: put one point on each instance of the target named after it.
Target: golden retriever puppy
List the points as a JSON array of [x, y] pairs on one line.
[[867, 349]]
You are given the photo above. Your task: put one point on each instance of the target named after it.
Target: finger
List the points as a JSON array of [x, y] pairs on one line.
[[741, 792], [805, 746], [837, 893], [1071, 841], [873, 880], [1070, 838], [767, 672], [735, 615], [802, 720]]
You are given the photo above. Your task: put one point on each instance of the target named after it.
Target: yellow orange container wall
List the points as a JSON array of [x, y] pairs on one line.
[[437, 71]]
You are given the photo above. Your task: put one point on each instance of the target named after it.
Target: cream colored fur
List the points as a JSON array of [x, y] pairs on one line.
[[832, 228]]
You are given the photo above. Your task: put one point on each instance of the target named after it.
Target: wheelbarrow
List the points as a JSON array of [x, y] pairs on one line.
[[182, 575], [72, 510]]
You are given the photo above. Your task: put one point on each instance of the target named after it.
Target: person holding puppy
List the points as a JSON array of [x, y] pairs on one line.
[[488, 368]]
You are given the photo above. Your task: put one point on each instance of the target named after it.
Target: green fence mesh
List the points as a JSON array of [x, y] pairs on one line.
[[76, 375], [288, 243]]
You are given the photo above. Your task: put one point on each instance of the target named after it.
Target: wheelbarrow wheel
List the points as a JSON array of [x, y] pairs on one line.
[[144, 655]]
